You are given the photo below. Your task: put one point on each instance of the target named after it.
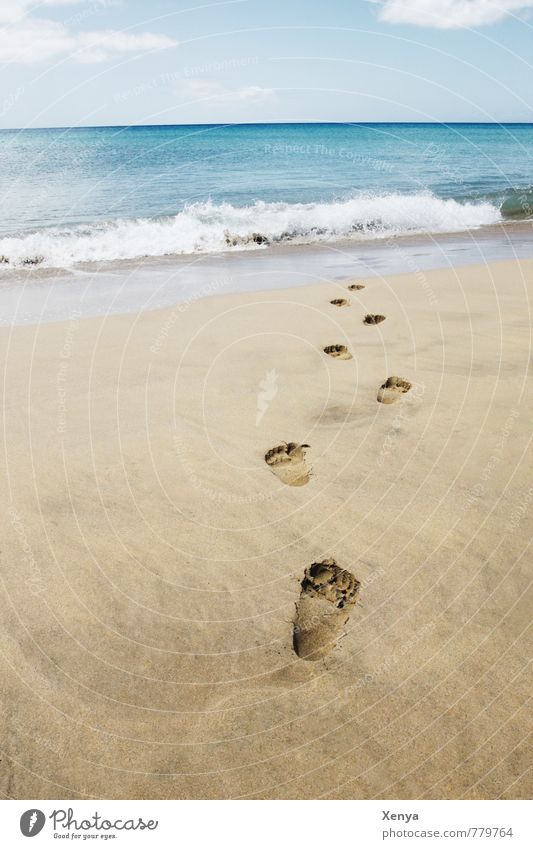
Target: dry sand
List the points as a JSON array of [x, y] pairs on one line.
[[151, 560]]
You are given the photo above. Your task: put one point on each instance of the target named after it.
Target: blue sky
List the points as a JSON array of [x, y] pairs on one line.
[[97, 62]]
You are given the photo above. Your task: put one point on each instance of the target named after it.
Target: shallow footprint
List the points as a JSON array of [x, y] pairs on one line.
[[340, 352], [356, 287], [373, 319], [393, 389], [287, 461], [340, 302], [328, 596]]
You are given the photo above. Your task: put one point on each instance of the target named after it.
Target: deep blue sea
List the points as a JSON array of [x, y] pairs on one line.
[[98, 194]]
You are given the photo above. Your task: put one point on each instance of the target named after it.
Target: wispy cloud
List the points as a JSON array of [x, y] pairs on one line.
[[99, 46], [198, 89], [25, 38], [15, 10], [449, 14]]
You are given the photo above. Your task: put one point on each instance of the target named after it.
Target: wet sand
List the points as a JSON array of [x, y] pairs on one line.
[[39, 294]]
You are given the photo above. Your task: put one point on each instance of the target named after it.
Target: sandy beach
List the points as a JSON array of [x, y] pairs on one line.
[[152, 560]]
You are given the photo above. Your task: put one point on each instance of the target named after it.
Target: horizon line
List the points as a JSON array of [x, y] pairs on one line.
[[273, 124]]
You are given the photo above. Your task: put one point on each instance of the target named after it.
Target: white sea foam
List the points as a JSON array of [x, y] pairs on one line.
[[209, 228]]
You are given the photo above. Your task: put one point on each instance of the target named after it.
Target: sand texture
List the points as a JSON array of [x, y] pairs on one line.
[[153, 560]]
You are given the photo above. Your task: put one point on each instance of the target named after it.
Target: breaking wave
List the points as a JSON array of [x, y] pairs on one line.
[[211, 228], [518, 204]]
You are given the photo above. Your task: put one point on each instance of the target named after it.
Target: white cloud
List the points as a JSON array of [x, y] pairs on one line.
[[33, 41], [99, 46], [25, 38], [449, 14], [15, 10], [198, 89]]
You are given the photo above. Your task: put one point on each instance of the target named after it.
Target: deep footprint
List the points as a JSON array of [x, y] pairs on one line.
[[373, 319], [287, 461], [339, 352], [356, 287], [327, 598], [393, 389], [340, 302]]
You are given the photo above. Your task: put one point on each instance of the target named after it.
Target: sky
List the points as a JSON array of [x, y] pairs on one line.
[[115, 62]]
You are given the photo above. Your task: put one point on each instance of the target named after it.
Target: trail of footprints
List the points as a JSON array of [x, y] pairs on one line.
[[328, 592]]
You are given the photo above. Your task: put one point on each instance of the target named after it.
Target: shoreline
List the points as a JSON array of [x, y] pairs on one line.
[[152, 561], [485, 233], [44, 295]]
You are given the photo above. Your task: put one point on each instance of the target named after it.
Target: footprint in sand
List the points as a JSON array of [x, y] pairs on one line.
[[339, 352], [328, 596], [356, 287], [373, 319], [287, 461], [340, 302], [393, 389]]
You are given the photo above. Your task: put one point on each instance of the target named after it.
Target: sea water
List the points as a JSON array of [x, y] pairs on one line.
[[72, 196]]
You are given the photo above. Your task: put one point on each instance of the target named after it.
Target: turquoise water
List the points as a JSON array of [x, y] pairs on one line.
[[102, 194]]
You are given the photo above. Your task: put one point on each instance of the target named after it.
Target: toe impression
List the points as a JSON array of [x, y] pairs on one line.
[[327, 597], [287, 462], [393, 389], [374, 319], [340, 352]]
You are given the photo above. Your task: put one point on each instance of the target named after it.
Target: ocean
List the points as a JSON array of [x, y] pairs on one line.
[[76, 196]]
